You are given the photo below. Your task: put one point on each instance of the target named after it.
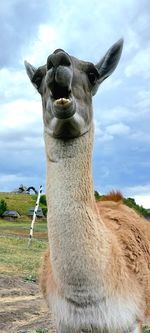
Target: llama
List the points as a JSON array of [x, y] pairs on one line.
[[96, 272]]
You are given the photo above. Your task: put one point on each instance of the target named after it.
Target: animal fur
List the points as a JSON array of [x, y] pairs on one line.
[[96, 273], [132, 235]]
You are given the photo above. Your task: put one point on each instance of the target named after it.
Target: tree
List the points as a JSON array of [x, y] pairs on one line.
[[97, 195], [3, 206], [43, 200], [44, 209], [130, 202]]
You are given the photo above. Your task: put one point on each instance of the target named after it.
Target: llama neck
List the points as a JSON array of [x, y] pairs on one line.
[[72, 217], [69, 171]]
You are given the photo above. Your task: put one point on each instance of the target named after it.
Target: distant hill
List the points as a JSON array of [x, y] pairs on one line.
[[20, 202], [23, 202], [130, 202]]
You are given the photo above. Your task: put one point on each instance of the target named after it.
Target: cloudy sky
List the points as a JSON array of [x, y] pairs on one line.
[[32, 30]]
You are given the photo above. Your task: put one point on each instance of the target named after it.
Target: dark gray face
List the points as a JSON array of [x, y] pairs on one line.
[[67, 100], [67, 85]]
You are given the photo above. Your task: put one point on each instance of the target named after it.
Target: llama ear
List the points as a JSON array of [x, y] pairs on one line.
[[31, 70], [35, 74], [108, 63]]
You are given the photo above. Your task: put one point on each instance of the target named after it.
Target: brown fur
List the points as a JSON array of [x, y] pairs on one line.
[[47, 282], [98, 272], [115, 196], [133, 234]]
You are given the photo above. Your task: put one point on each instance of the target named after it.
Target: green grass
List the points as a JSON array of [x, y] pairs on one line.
[[21, 224], [42, 330], [21, 228], [146, 330], [16, 257]]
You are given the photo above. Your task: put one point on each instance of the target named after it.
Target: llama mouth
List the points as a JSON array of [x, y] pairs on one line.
[[64, 107], [59, 92], [63, 102]]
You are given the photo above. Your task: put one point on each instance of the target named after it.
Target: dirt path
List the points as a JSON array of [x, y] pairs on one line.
[[22, 308]]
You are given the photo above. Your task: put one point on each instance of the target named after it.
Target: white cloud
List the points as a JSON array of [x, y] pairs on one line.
[[11, 178], [112, 115], [82, 28], [21, 125], [105, 137], [143, 200], [139, 64], [42, 46], [101, 135], [140, 189], [29, 142], [118, 129], [132, 42], [15, 84], [141, 193], [97, 127], [109, 132], [112, 83], [20, 114], [143, 100], [140, 136], [9, 182]]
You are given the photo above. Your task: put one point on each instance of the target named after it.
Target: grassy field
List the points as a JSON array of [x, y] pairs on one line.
[[20, 262], [19, 202], [16, 257]]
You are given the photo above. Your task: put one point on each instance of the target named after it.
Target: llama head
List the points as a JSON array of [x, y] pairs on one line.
[[66, 86]]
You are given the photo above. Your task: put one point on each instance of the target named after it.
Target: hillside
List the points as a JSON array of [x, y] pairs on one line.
[[130, 202], [20, 202]]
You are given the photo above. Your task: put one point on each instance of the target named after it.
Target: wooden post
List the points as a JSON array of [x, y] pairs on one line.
[[34, 215]]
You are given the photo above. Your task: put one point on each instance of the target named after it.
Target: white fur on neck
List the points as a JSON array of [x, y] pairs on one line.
[[73, 225], [111, 314], [80, 244]]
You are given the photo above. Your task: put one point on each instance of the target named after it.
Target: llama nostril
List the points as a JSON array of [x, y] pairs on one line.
[[57, 59], [64, 59]]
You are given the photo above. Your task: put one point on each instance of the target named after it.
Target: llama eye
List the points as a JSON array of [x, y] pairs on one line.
[[92, 77], [37, 82]]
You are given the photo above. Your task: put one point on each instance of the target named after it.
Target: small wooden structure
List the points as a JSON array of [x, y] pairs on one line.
[[39, 213], [10, 215]]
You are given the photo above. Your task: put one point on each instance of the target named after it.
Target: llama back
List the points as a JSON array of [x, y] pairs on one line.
[[133, 233]]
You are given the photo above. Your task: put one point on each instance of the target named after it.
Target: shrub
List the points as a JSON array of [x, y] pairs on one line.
[[97, 195], [3, 206], [43, 200], [130, 202], [44, 209]]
